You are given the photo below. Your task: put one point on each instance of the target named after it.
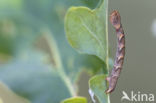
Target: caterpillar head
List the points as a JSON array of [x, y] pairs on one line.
[[115, 19]]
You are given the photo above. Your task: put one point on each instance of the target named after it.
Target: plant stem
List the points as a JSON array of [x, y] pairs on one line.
[[58, 64], [107, 41]]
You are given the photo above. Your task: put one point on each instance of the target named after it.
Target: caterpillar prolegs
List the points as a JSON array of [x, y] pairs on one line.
[[120, 53]]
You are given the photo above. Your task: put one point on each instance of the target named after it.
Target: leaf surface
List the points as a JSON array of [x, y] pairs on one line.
[[98, 86], [86, 30], [32, 79], [7, 93], [75, 100]]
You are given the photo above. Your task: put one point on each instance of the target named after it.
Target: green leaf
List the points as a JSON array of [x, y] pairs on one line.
[[98, 86], [86, 30], [75, 100], [7, 93], [31, 78]]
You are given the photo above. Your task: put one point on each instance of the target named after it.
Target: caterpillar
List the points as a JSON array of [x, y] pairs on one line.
[[115, 20]]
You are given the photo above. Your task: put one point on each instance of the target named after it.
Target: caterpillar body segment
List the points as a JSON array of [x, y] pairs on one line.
[[115, 20]]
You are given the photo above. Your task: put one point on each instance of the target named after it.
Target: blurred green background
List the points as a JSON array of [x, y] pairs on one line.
[[29, 30]]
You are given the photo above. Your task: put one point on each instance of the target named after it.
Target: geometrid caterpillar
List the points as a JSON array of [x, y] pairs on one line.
[[120, 53]]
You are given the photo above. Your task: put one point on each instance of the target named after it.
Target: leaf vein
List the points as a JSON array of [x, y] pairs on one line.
[[92, 34]]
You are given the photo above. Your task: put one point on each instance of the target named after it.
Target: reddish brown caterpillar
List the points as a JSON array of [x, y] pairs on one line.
[[120, 53]]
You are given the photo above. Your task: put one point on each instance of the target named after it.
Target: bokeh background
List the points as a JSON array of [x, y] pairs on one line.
[[29, 30], [138, 19]]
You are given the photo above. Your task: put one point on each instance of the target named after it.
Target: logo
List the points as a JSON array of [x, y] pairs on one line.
[[137, 97]]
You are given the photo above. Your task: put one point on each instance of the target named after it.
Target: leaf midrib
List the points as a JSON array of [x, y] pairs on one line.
[[92, 33]]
